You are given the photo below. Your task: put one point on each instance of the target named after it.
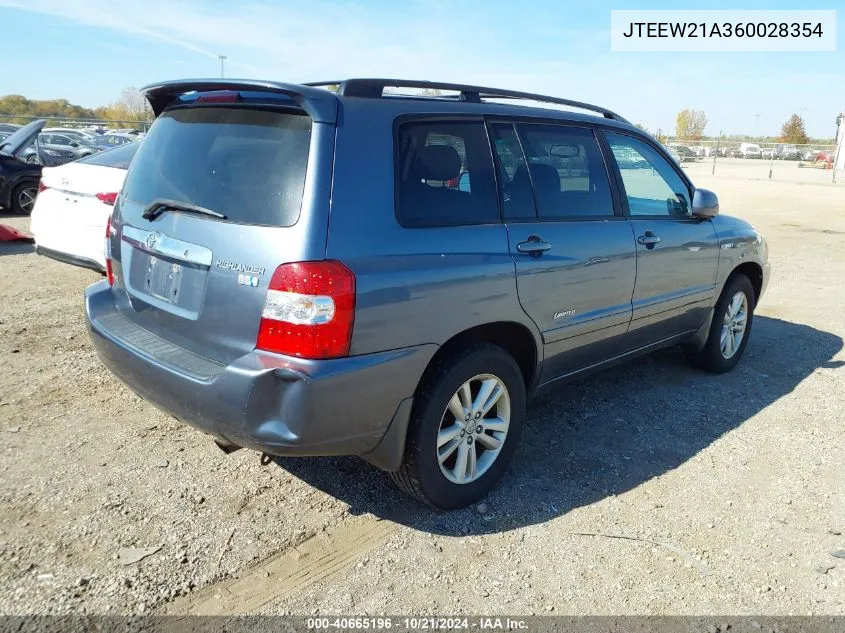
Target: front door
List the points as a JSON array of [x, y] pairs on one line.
[[573, 250], [677, 254]]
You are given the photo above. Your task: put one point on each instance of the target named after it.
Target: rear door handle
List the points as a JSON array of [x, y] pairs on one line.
[[649, 239], [534, 246]]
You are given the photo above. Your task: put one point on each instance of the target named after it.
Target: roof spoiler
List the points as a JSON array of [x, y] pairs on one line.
[[320, 104]]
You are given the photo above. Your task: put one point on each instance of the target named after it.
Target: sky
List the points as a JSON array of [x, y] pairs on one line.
[[86, 51]]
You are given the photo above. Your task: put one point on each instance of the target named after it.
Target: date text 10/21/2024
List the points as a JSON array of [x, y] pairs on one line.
[[417, 624]]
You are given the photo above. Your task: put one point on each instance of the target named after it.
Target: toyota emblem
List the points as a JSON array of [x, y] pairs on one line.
[[152, 240]]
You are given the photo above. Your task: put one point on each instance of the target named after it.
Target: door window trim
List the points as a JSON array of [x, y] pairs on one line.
[[615, 193], [603, 131]]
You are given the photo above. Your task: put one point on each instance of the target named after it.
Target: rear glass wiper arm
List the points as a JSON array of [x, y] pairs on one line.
[[160, 205]]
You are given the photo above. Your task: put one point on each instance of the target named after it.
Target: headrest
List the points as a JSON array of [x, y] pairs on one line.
[[438, 162], [544, 176]]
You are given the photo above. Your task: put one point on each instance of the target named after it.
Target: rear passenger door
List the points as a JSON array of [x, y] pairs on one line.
[[574, 251], [677, 254]]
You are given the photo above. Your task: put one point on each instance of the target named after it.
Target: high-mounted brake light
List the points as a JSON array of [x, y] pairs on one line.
[[309, 310], [222, 96], [107, 248], [107, 198]]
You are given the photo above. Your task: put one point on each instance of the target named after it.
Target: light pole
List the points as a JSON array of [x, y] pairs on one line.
[[222, 59]]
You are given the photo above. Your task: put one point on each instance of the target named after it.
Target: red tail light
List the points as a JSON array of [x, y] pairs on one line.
[[107, 198], [42, 186], [109, 272], [309, 310]]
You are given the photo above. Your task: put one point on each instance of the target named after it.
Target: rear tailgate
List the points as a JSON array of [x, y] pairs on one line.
[[199, 281]]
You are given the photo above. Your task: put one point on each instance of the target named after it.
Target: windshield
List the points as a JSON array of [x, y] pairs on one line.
[[245, 163]]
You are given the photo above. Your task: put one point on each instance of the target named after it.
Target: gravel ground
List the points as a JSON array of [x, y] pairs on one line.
[[727, 489]]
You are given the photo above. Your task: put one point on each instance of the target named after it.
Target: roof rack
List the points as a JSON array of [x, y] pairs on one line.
[[374, 89]]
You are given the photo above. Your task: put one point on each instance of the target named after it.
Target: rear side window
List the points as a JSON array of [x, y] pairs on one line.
[[119, 157], [245, 163], [444, 174]]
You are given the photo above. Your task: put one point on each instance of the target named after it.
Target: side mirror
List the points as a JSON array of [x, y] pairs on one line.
[[705, 204]]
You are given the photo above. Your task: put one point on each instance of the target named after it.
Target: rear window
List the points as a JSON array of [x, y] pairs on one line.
[[245, 163], [119, 157]]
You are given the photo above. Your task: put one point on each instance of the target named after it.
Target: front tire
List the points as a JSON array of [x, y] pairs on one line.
[[464, 429], [730, 328]]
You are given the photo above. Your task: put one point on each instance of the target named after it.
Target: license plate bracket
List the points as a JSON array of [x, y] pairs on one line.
[[163, 279]]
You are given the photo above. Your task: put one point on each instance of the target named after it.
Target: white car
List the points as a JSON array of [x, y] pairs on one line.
[[73, 206], [750, 150]]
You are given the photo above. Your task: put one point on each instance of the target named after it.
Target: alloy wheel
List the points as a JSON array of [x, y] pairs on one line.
[[473, 429], [733, 325], [26, 199]]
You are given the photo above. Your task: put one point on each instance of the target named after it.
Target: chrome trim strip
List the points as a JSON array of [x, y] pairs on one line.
[[169, 247]]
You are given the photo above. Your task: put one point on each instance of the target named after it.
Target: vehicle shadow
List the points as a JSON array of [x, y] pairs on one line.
[[603, 435], [18, 247]]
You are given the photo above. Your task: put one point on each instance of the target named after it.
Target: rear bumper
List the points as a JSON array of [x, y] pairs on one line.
[[67, 258], [267, 402], [70, 233]]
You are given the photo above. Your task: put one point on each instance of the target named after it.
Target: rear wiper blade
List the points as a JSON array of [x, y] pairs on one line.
[[160, 205]]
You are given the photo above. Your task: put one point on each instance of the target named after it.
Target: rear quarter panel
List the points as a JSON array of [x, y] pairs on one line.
[[414, 285]]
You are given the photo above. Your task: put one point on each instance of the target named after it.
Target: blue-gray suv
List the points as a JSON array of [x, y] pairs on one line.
[[349, 270]]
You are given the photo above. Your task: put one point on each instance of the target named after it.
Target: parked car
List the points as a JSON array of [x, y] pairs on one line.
[[298, 286], [84, 140], [750, 150], [767, 153], [686, 153], [113, 140], [137, 134], [75, 133], [9, 128], [787, 152], [808, 153], [74, 203], [57, 149], [19, 178]]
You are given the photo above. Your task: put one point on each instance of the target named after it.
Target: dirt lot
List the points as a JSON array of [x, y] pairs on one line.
[[730, 488]]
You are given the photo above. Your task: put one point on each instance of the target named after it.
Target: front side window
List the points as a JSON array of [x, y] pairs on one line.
[[444, 174], [567, 171], [652, 186]]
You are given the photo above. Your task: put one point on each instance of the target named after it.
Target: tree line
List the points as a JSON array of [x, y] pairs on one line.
[[130, 107], [690, 125]]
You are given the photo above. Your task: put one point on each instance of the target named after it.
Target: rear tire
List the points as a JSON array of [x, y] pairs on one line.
[[441, 450], [732, 316], [23, 198]]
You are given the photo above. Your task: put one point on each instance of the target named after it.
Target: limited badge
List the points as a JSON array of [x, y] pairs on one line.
[[248, 280]]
